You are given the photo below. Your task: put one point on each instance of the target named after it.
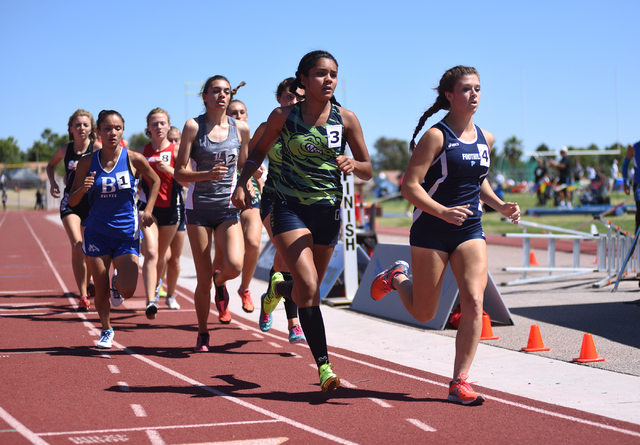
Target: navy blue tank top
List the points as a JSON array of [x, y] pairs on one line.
[[454, 177]]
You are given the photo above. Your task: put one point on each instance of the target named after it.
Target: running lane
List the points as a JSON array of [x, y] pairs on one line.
[[58, 388]]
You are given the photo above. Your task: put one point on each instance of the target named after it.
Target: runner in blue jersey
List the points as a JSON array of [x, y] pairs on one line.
[[445, 181], [213, 144], [305, 217], [633, 155], [274, 156], [83, 137], [112, 233]]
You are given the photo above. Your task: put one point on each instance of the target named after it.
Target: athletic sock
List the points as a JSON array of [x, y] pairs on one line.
[[291, 309], [284, 290], [313, 327]]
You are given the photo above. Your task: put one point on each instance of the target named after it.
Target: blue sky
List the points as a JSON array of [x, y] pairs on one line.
[[559, 73]]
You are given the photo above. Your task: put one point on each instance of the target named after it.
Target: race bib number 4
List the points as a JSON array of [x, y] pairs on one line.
[[483, 151]]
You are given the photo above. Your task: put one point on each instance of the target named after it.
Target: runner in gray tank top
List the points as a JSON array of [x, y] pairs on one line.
[[214, 144]]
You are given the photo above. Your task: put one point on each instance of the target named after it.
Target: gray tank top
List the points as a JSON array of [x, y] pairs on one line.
[[204, 156]]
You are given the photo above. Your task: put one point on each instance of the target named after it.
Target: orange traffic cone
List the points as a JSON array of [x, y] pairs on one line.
[[535, 340], [487, 332], [588, 352], [532, 259]]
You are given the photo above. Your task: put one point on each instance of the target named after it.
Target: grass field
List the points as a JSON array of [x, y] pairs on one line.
[[491, 220]]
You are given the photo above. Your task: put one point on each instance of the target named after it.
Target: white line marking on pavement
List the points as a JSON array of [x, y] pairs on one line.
[[275, 345], [255, 334], [138, 410], [423, 426], [155, 437], [163, 427], [114, 369], [124, 387], [20, 428], [382, 403]]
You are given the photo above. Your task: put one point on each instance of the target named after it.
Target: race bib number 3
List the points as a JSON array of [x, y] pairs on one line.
[[334, 136]]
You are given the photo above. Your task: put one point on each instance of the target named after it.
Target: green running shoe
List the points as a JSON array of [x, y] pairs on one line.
[[272, 299], [328, 380]]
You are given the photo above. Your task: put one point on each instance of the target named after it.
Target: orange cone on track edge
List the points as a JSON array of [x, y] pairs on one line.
[[535, 340], [532, 259], [588, 352], [487, 332]]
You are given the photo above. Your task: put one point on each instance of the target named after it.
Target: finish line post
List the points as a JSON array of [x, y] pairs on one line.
[[349, 237]]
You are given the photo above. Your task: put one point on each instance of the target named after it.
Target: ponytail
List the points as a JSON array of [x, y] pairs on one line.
[[447, 83]]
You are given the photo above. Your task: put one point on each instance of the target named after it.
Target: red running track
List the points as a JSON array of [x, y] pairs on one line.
[[252, 388]]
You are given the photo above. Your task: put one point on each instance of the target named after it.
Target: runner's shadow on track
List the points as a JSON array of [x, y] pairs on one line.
[[76, 351], [232, 348], [615, 321]]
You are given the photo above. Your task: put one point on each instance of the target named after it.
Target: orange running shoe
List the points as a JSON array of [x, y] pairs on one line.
[[247, 302], [462, 392], [83, 304], [383, 282]]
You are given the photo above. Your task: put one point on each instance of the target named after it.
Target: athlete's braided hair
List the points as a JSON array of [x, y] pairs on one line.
[[93, 135], [447, 84], [210, 80], [306, 63]]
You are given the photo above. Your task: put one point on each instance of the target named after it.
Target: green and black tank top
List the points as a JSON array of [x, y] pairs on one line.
[[310, 174]]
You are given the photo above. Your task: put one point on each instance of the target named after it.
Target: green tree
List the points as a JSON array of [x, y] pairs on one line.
[[10, 152], [138, 140], [391, 154], [44, 150], [513, 149]]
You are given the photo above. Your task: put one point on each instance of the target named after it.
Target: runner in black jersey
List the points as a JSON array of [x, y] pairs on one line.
[[445, 181], [214, 144], [284, 98], [306, 212], [83, 136]]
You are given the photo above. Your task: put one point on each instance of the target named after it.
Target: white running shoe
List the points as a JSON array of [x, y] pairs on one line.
[[172, 303], [106, 339], [116, 298]]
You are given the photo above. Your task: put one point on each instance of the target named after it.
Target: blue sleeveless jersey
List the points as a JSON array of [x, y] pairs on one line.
[[454, 178], [113, 199]]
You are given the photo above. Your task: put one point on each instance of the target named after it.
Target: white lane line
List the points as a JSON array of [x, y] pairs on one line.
[[124, 387], [138, 410], [105, 355], [94, 333], [293, 354], [20, 428], [275, 345], [347, 384], [88, 324], [256, 335], [113, 369], [302, 426], [496, 399], [155, 437], [423, 426], [380, 402], [163, 427], [238, 401], [5, 217], [445, 385]]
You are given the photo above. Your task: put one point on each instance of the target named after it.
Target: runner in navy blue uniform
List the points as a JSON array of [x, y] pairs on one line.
[[83, 137], [445, 181], [305, 217], [214, 144], [112, 234]]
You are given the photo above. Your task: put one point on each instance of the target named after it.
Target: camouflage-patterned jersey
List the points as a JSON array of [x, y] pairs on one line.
[[275, 163], [310, 174]]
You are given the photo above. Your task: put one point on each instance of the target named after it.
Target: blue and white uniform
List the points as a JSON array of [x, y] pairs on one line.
[[112, 226], [453, 179]]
